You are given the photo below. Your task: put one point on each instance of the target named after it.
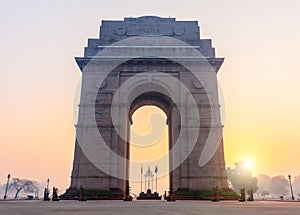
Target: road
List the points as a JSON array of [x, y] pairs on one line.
[[148, 207]]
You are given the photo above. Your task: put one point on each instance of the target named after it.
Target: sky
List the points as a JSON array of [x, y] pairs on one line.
[[260, 78], [143, 148]]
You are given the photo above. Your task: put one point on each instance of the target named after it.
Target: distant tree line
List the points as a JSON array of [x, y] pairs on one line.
[[24, 186], [241, 177], [263, 185]]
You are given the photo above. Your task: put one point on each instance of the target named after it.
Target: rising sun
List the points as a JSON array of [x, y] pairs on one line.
[[248, 164]]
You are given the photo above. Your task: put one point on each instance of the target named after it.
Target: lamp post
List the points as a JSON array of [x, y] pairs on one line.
[[5, 195], [156, 170], [291, 187]]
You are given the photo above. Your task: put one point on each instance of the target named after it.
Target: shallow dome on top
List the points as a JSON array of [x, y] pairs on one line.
[[150, 19]]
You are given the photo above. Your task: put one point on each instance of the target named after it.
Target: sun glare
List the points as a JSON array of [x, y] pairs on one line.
[[248, 164]]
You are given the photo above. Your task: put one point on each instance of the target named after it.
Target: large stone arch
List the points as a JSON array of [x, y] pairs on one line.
[[176, 73]]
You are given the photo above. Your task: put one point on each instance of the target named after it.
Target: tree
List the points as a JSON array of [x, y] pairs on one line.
[[265, 193], [279, 185], [296, 184], [22, 184], [264, 184], [241, 177]]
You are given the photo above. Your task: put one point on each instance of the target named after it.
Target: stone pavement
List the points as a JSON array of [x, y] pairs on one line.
[[148, 207]]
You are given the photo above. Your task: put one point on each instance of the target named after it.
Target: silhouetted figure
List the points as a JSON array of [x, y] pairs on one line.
[[216, 197], [54, 195], [171, 198], [81, 195], [251, 198], [243, 195], [47, 192], [46, 195], [127, 197]]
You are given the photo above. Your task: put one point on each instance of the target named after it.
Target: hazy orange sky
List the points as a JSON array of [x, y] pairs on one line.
[[260, 78]]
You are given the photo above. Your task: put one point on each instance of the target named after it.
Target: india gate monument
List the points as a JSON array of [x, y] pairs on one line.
[[148, 61]]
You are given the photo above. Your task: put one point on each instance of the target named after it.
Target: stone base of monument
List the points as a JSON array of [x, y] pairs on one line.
[[149, 196], [223, 194], [112, 194]]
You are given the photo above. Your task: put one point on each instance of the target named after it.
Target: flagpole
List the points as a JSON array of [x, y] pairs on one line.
[[152, 183], [156, 170], [142, 179], [156, 182]]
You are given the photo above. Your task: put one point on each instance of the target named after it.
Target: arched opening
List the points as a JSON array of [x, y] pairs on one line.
[[149, 141]]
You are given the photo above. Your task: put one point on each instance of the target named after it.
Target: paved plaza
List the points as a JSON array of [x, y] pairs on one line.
[[148, 207]]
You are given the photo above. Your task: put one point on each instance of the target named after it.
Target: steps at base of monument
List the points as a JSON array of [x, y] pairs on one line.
[[73, 194], [223, 194]]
